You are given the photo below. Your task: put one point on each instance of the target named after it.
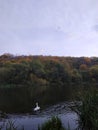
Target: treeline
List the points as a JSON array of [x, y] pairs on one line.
[[46, 70]]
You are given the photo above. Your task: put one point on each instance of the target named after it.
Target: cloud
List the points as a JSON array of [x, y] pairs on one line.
[[96, 27]]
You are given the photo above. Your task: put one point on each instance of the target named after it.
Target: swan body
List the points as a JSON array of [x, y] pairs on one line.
[[37, 108]]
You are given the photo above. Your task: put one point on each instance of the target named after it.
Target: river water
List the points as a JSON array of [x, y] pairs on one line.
[[30, 121], [56, 101]]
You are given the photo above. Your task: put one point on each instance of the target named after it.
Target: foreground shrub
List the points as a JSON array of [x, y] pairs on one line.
[[88, 111], [53, 124]]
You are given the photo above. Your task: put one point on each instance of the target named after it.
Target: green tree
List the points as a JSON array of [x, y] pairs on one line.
[[94, 72], [76, 76]]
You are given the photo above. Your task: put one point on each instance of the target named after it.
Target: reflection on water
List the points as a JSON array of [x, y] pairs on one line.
[[31, 121], [14, 99], [22, 100]]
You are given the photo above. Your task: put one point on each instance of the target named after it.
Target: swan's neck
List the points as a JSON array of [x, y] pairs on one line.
[[36, 104]]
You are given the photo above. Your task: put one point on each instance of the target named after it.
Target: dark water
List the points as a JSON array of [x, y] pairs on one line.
[[21, 100], [31, 121]]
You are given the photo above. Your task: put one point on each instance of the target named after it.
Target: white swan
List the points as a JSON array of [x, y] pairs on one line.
[[37, 108]]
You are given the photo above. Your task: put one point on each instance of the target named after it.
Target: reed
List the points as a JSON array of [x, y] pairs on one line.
[[53, 124], [88, 111]]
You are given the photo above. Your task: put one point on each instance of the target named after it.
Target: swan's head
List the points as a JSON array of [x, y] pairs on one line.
[[36, 103]]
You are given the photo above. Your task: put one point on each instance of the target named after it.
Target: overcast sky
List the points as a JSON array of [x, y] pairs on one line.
[[49, 27]]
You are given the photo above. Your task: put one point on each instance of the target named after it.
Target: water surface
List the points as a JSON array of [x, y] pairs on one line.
[[30, 121]]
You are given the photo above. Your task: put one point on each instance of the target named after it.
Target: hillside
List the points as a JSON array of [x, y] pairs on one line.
[[46, 70]]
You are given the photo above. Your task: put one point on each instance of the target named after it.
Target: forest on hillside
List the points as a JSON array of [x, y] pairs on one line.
[[18, 71]]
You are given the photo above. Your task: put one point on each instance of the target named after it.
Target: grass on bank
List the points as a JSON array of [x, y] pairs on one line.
[[53, 124], [88, 111]]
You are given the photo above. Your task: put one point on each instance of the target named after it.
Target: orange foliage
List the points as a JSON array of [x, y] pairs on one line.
[[83, 67], [87, 59]]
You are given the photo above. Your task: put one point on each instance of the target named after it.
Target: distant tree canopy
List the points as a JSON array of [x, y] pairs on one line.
[[47, 70]]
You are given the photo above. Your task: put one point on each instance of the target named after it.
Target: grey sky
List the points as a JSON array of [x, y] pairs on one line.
[[49, 27]]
